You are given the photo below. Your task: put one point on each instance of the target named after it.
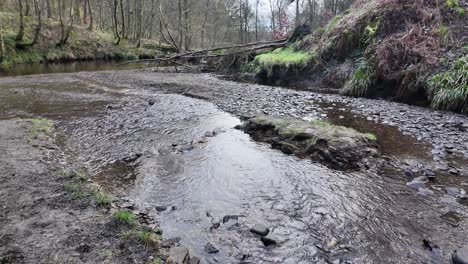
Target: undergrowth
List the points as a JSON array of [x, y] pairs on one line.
[[449, 90], [41, 126], [126, 217], [283, 56], [361, 81]]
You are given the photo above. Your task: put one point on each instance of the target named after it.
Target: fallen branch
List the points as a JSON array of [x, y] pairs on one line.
[[196, 54]]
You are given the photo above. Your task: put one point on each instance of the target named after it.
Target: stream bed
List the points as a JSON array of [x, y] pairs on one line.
[[176, 153]]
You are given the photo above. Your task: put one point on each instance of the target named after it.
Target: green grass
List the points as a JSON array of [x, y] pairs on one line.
[[283, 56], [371, 136], [126, 217], [41, 126], [319, 122], [145, 237], [101, 198], [77, 189], [360, 83], [449, 90]]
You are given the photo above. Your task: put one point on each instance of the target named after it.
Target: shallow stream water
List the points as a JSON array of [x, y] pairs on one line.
[[169, 150]]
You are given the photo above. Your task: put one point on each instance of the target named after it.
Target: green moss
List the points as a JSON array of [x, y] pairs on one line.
[[41, 126], [371, 136], [319, 122], [283, 56], [361, 81], [455, 6], [125, 217], [449, 90]]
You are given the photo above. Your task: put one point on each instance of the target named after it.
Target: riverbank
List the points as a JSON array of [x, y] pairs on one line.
[[52, 212], [83, 44]]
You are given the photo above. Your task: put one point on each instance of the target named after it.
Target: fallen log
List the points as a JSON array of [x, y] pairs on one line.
[[198, 54]]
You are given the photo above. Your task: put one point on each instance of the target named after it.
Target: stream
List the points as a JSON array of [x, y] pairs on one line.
[[170, 147]]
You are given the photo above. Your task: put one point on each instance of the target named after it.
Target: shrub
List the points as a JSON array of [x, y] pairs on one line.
[[449, 90], [360, 82]]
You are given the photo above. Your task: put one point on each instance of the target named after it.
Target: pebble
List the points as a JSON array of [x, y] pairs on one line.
[[267, 241]]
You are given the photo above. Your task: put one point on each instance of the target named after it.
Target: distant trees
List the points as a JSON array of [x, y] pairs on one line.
[[182, 24]]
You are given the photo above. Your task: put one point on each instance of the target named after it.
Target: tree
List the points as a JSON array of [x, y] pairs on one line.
[[20, 35]]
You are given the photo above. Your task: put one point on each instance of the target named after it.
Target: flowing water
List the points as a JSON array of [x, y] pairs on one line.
[[168, 150]]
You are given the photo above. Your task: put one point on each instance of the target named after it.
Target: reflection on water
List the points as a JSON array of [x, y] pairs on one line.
[[44, 68], [189, 158]]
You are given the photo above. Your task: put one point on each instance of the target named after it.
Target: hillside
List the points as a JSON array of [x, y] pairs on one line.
[[83, 44], [410, 51]]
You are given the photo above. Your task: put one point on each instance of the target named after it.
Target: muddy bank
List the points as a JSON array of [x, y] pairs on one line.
[[50, 212]]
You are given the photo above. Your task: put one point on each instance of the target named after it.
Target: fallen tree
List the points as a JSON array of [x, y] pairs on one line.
[[202, 55]]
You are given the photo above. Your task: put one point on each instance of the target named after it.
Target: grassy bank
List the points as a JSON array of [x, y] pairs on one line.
[[83, 44], [410, 51]]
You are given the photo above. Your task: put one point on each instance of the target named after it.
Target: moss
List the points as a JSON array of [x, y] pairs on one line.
[[371, 136], [449, 90], [361, 81], [283, 56], [320, 122], [125, 217], [456, 7]]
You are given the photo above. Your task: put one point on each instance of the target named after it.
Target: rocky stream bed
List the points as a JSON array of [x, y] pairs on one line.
[[165, 145]]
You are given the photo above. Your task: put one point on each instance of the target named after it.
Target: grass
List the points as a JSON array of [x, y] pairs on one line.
[[126, 217], [449, 90], [455, 5], [41, 126], [371, 137], [101, 198], [361, 81], [319, 122], [145, 237], [78, 189], [283, 56]]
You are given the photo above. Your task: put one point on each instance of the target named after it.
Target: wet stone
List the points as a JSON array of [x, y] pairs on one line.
[[210, 249], [453, 191], [451, 218], [161, 208], [178, 255], [460, 256], [267, 241], [260, 230], [227, 218], [194, 260]]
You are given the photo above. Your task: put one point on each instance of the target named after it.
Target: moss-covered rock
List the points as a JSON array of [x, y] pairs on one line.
[[336, 146]]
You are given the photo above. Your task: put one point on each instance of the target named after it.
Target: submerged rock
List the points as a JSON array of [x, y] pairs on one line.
[[267, 241], [337, 146], [209, 248], [260, 230], [460, 256]]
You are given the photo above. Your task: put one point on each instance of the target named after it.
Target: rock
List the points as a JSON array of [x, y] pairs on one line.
[[408, 173], [260, 230], [226, 218], [215, 226], [194, 260], [425, 191], [460, 256], [268, 241], [453, 191], [174, 240], [151, 102], [161, 208], [451, 218], [210, 249], [416, 185], [178, 255]]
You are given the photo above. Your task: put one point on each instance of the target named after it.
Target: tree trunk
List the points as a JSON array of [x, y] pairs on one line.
[[90, 12], [256, 20], [116, 23], [298, 18], [49, 9], [203, 32], [20, 35], [2, 45], [123, 19]]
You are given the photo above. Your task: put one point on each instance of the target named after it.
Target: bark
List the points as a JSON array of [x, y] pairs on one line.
[[90, 12], [49, 9], [116, 23], [2, 45], [123, 19], [20, 35], [203, 32]]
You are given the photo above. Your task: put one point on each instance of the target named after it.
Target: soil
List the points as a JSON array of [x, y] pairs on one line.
[[42, 222]]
